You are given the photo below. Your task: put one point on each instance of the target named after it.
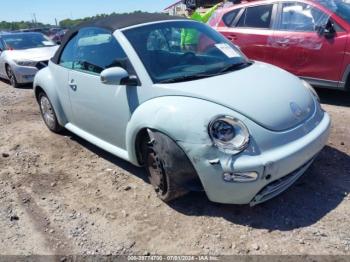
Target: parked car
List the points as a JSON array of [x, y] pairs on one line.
[[206, 3], [53, 31], [22, 55], [58, 36], [243, 131], [306, 38], [42, 30]]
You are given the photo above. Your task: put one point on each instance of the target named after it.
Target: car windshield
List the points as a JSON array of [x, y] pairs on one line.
[[183, 51], [339, 7], [26, 41]]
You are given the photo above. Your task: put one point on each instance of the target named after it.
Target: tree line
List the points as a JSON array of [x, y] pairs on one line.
[[4, 25], [66, 23]]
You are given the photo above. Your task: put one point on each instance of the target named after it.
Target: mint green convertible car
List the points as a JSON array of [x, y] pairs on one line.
[[197, 117]]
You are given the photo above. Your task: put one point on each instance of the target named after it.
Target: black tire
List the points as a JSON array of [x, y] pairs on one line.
[[347, 84], [48, 113], [11, 76], [167, 167]]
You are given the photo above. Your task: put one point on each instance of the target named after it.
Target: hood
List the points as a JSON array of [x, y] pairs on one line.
[[33, 54], [268, 95]]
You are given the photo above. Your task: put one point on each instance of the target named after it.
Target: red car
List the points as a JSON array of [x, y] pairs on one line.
[[307, 38]]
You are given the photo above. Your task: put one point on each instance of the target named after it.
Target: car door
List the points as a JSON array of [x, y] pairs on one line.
[[251, 29], [301, 49], [60, 75], [98, 109]]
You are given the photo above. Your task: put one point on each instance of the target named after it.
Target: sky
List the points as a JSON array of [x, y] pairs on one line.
[[47, 10]]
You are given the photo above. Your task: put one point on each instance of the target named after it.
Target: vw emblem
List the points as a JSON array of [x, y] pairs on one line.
[[296, 109]]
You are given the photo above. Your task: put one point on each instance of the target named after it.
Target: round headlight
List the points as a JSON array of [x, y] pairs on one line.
[[229, 134], [223, 131]]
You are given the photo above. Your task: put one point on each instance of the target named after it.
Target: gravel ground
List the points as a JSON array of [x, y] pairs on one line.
[[62, 195]]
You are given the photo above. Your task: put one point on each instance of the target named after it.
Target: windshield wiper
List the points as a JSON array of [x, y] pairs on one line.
[[185, 78], [235, 67], [226, 69]]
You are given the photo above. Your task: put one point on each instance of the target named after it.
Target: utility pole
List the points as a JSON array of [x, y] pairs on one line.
[[35, 21]]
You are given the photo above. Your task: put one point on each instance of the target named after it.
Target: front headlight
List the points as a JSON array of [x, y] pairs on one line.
[[229, 134], [25, 63], [311, 89]]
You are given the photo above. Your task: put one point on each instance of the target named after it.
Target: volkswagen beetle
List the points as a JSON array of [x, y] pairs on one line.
[[197, 116]]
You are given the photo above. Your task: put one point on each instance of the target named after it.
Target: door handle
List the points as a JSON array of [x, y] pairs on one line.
[[283, 43], [232, 37], [72, 85]]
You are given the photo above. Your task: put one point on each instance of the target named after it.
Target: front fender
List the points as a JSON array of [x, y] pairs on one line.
[[183, 119], [44, 80]]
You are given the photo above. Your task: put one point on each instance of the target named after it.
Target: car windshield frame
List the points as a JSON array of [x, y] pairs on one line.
[[338, 7], [221, 48], [24, 41]]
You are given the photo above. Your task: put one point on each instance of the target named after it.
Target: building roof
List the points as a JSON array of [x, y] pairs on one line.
[[112, 23], [174, 4]]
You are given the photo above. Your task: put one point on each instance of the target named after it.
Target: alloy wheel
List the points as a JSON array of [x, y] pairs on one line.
[[11, 77], [47, 112]]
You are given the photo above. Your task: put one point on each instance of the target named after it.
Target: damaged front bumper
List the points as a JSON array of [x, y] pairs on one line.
[[24, 74], [278, 168], [279, 186]]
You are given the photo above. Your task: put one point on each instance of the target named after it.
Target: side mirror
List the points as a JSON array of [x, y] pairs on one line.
[[114, 75], [329, 33], [327, 30]]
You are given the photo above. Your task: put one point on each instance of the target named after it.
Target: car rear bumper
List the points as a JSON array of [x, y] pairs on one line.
[[278, 168]]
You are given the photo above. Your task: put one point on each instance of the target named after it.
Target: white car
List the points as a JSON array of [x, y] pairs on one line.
[[22, 55]]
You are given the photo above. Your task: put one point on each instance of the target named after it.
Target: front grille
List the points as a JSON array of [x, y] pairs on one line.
[[277, 187], [42, 64]]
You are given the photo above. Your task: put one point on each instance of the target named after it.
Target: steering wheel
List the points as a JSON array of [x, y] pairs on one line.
[[209, 49], [187, 57]]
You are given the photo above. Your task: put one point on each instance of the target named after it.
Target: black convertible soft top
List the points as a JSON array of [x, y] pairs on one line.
[[112, 23]]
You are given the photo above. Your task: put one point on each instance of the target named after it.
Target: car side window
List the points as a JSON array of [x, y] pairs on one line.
[[230, 17], [256, 17], [1, 45], [68, 54], [297, 16], [96, 50]]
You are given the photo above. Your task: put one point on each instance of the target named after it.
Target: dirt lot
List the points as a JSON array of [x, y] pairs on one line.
[[62, 195]]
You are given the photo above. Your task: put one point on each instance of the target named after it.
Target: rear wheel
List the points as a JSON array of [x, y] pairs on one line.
[[160, 168], [11, 76], [48, 113], [347, 84]]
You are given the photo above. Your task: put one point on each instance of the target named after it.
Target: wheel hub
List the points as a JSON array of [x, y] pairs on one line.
[[11, 76], [47, 111], [156, 172]]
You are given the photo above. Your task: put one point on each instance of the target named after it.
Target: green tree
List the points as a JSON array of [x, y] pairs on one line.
[[5, 25], [69, 23]]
